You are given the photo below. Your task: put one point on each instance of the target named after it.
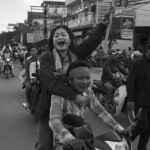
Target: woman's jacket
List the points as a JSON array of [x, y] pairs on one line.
[[58, 84]]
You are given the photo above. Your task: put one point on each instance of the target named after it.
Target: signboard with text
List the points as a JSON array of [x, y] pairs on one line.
[[127, 25], [57, 12], [101, 10], [37, 36], [122, 27], [30, 37]]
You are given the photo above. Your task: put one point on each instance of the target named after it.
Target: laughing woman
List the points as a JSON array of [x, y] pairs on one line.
[[54, 63]]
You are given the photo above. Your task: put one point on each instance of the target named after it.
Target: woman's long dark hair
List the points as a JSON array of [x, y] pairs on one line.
[[70, 33]]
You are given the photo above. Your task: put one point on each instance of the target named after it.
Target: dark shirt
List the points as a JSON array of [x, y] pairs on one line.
[[58, 84], [138, 84], [110, 67]]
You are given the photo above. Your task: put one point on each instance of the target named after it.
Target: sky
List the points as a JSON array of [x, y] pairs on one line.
[[15, 11]]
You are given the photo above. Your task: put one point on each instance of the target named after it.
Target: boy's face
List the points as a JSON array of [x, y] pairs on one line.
[[81, 79], [33, 51]]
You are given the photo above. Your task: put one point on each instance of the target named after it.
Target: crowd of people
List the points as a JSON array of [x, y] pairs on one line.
[[57, 81]]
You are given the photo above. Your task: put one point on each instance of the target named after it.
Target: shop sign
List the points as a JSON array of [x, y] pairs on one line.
[[101, 10], [37, 36], [57, 12], [127, 27], [30, 37]]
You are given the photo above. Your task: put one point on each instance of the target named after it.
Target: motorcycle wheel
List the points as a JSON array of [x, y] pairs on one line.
[[7, 73], [130, 116]]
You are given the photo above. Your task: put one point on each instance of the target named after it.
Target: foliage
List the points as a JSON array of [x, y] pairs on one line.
[[9, 37]]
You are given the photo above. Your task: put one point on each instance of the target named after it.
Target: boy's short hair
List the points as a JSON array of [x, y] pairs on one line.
[[76, 64], [32, 46]]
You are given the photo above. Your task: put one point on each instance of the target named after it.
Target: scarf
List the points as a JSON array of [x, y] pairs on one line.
[[62, 68]]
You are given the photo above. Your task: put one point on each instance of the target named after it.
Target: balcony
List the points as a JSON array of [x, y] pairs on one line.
[[72, 2], [136, 2]]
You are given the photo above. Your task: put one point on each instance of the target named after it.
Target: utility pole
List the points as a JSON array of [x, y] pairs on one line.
[[45, 21]]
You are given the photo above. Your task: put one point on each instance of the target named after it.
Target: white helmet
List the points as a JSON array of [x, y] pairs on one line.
[[136, 54]]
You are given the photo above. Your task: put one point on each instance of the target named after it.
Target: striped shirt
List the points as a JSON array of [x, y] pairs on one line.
[[60, 107]]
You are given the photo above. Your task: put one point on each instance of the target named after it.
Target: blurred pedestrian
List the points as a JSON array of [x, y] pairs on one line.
[[138, 89]]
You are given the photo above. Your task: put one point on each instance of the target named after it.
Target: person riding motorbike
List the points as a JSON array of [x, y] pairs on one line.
[[78, 74], [62, 51], [7, 54], [28, 83], [109, 80], [34, 76]]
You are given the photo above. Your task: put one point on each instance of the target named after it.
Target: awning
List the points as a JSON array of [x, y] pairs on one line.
[[143, 16]]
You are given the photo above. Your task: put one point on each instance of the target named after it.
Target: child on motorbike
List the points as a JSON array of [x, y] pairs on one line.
[[109, 80], [78, 74]]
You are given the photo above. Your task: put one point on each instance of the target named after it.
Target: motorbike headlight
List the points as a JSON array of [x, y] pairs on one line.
[[97, 148], [119, 145], [8, 59]]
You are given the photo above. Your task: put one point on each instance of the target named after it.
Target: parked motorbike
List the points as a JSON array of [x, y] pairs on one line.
[[7, 68], [1, 64], [107, 141], [119, 98]]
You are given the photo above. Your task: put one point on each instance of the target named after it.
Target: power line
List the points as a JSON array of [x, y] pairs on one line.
[[143, 14], [144, 10]]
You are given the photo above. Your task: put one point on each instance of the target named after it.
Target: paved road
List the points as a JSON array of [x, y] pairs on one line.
[[18, 128]]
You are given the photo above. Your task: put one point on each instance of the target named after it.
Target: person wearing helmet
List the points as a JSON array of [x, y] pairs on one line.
[[136, 54], [109, 80]]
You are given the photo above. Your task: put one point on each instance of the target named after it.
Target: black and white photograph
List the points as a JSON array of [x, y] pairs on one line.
[[75, 74]]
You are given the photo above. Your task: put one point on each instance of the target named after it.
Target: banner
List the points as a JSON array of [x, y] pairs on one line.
[[57, 12], [30, 37], [122, 27], [101, 10], [127, 27], [37, 36]]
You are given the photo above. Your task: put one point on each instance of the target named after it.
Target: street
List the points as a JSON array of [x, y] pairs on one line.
[[18, 127]]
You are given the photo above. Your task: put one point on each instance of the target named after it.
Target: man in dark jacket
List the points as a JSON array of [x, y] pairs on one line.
[[109, 79], [138, 89]]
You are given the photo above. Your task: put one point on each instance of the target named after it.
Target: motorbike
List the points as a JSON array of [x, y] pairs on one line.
[[119, 98], [15, 56], [21, 59], [107, 141], [7, 68], [1, 64]]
